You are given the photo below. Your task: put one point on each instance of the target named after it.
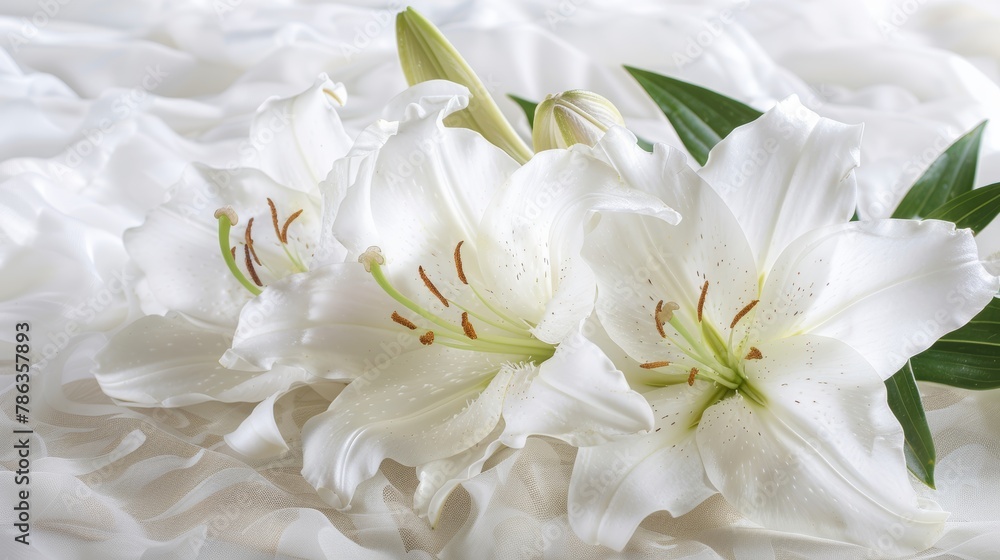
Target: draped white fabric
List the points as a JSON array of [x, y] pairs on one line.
[[104, 105]]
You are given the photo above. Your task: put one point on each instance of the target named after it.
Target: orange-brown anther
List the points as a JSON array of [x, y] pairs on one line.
[[274, 218], [250, 269], [743, 312], [753, 354], [288, 222], [396, 317], [691, 375], [248, 239], [232, 251], [701, 300], [659, 321], [654, 365], [458, 262], [430, 286], [467, 327], [427, 338]]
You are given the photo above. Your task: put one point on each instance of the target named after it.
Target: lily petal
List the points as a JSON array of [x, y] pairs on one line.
[[577, 396], [177, 247], [823, 456], [888, 288], [297, 139], [615, 486], [452, 406], [170, 361], [533, 232], [784, 174], [336, 318], [640, 260]]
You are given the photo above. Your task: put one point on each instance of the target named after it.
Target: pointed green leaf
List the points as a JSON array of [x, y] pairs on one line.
[[952, 174], [968, 357], [527, 106], [425, 54], [974, 209], [904, 400], [700, 116]]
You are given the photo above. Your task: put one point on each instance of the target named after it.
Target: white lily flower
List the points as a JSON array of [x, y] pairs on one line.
[[272, 197], [772, 321], [464, 310]]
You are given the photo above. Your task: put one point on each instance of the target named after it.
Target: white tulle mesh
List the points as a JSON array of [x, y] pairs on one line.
[[109, 482]]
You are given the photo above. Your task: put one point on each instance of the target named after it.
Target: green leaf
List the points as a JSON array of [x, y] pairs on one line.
[[952, 174], [700, 116], [974, 209], [904, 400], [969, 357], [527, 106], [529, 111]]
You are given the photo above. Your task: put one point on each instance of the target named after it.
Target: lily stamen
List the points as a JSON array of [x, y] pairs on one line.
[[470, 331], [691, 376], [743, 312], [654, 365], [430, 286], [701, 300], [753, 354], [248, 239], [458, 263], [288, 222], [399, 319], [427, 338], [274, 219], [249, 265]]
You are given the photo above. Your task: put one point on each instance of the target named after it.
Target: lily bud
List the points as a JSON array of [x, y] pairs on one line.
[[573, 117], [425, 54]]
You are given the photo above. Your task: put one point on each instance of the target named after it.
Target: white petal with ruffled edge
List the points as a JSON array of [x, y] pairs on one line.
[[169, 361], [615, 486], [424, 406], [823, 456], [577, 396], [532, 234], [784, 174], [296, 139], [888, 288]]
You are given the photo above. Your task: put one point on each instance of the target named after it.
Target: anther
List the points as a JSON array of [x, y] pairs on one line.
[[692, 374], [753, 354], [743, 312], [458, 262], [232, 251], [250, 269], [430, 286], [396, 317], [467, 327], [701, 300], [373, 255], [228, 212], [288, 222], [248, 239], [427, 338], [274, 219], [654, 365]]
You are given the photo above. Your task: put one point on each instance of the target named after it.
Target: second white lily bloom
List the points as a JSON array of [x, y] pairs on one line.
[[768, 322], [463, 317]]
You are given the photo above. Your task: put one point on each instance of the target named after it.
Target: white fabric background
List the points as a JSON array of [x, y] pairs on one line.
[[111, 482]]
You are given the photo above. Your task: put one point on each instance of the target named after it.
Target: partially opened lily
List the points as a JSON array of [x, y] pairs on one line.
[[194, 288], [767, 323], [462, 316]]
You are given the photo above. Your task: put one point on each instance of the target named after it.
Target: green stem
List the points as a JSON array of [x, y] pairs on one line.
[[224, 226]]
